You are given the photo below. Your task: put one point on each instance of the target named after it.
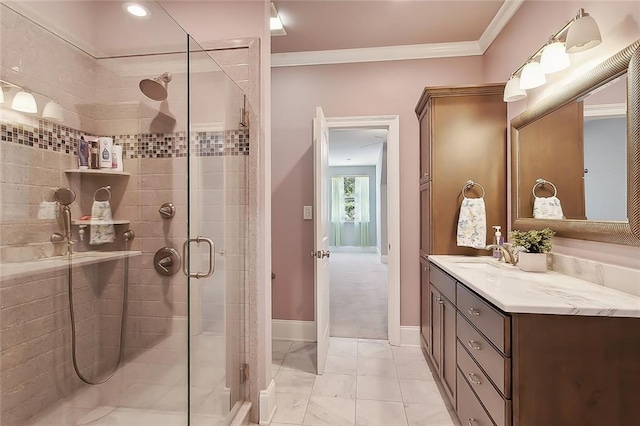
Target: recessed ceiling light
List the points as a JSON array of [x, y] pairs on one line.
[[136, 9], [348, 159]]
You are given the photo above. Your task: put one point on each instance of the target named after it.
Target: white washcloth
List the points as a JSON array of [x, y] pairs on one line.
[[102, 229], [547, 208], [48, 210], [472, 223]]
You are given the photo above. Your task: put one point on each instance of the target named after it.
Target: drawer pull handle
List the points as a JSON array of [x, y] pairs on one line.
[[474, 311], [474, 379], [472, 422], [474, 345]]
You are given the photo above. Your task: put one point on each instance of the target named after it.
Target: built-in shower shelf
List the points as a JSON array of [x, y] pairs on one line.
[[101, 222], [14, 270], [98, 172]]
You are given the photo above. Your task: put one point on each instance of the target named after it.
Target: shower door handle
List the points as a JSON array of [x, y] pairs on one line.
[[212, 258]]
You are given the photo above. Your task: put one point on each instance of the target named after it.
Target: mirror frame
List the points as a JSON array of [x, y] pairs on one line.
[[617, 232]]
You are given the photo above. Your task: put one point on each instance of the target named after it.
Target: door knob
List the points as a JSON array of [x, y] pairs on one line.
[[326, 254]]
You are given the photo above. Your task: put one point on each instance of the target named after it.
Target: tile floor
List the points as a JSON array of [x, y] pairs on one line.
[[366, 382]]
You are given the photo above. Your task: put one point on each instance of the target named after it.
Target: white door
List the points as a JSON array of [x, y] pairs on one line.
[[321, 235]]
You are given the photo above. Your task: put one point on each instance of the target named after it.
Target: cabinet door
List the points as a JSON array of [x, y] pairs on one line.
[[425, 304], [425, 217], [425, 145], [436, 301], [449, 349]]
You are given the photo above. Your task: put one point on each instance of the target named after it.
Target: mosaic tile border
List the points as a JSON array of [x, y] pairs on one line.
[[55, 137]]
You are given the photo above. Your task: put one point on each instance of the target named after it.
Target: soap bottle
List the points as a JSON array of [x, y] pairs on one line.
[[499, 241]]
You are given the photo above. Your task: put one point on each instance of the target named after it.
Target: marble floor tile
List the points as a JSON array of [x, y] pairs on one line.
[[275, 366], [303, 348], [374, 349], [376, 367], [334, 385], [298, 382], [299, 362], [61, 416], [415, 368], [345, 347], [428, 415], [406, 352], [420, 392], [380, 413], [142, 396], [329, 411], [291, 408], [378, 388], [341, 365]]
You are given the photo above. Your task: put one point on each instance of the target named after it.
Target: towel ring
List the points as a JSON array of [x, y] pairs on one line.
[[104, 188], [541, 182], [469, 185]]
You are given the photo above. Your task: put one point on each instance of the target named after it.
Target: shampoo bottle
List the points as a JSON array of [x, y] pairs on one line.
[[83, 153], [497, 240]]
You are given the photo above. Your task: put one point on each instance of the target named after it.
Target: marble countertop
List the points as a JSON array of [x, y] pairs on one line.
[[13, 270], [516, 291]]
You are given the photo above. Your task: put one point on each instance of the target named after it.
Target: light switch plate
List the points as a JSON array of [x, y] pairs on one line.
[[307, 212]]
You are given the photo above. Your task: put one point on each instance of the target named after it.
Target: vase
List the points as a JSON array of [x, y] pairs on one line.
[[532, 262]]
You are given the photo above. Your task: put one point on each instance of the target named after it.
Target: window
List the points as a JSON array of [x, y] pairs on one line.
[[349, 183]]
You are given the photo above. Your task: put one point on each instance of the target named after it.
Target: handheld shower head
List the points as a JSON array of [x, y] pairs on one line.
[[65, 196], [156, 88]]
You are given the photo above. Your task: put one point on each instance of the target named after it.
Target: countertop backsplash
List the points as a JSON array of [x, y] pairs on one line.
[[618, 278]]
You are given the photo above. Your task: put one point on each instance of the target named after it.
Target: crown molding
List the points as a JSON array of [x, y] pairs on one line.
[[401, 53], [503, 16], [376, 54], [605, 110]]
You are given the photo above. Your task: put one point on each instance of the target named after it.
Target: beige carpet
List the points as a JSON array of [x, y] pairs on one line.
[[358, 295]]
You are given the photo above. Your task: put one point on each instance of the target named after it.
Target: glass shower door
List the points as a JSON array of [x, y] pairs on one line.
[[216, 248]]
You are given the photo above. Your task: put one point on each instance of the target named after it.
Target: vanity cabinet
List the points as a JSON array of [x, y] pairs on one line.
[[463, 136], [529, 369], [425, 304]]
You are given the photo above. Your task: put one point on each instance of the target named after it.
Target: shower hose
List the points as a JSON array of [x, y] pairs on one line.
[[123, 322]]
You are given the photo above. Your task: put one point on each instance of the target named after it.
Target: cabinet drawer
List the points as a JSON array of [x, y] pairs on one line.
[[469, 409], [494, 364], [493, 324], [499, 409], [443, 282]]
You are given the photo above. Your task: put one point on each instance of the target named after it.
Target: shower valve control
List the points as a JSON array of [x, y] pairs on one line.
[[167, 210], [167, 261]]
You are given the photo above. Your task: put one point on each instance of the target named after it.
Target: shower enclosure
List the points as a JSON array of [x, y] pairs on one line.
[[136, 269]]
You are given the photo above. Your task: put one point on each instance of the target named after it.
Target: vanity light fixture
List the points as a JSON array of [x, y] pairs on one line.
[[1, 94], [24, 101], [532, 76], [512, 91], [53, 111], [583, 33], [275, 23], [578, 35], [554, 58]]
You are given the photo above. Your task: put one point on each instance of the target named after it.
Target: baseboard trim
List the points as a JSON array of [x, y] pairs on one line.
[[268, 404], [299, 331], [410, 336]]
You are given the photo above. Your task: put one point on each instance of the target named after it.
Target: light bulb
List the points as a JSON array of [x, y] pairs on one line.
[[583, 33], [24, 102], [512, 90], [53, 110]]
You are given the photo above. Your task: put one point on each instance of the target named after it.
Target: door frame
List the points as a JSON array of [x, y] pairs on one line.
[[392, 123]]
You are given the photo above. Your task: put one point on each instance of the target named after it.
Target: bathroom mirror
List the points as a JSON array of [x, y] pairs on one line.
[[584, 143]]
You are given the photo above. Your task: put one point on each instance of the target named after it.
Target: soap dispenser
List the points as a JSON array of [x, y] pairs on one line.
[[498, 241]]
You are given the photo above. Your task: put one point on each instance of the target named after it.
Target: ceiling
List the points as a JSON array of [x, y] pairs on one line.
[[313, 25], [355, 147]]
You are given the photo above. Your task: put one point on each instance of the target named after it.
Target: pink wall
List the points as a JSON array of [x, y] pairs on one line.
[[529, 28], [361, 89]]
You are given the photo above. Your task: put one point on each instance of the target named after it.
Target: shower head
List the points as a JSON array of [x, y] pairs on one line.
[[65, 196], [156, 88]]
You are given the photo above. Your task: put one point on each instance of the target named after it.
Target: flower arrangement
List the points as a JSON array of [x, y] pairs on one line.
[[532, 241]]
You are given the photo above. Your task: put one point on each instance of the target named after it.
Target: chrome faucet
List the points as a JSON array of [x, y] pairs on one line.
[[507, 255]]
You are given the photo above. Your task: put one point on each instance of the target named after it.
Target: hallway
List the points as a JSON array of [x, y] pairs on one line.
[[359, 294], [366, 382]]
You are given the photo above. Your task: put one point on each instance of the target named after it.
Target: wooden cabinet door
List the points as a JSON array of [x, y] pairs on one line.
[[435, 351], [425, 304], [449, 349], [425, 145], [425, 220]]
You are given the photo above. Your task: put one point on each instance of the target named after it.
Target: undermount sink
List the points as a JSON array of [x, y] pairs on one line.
[[476, 263]]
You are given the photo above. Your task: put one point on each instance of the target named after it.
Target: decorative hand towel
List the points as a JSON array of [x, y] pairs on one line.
[[101, 232], [547, 208], [48, 210], [472, 224]]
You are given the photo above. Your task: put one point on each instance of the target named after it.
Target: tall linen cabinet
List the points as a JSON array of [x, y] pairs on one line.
[[463, 136]]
